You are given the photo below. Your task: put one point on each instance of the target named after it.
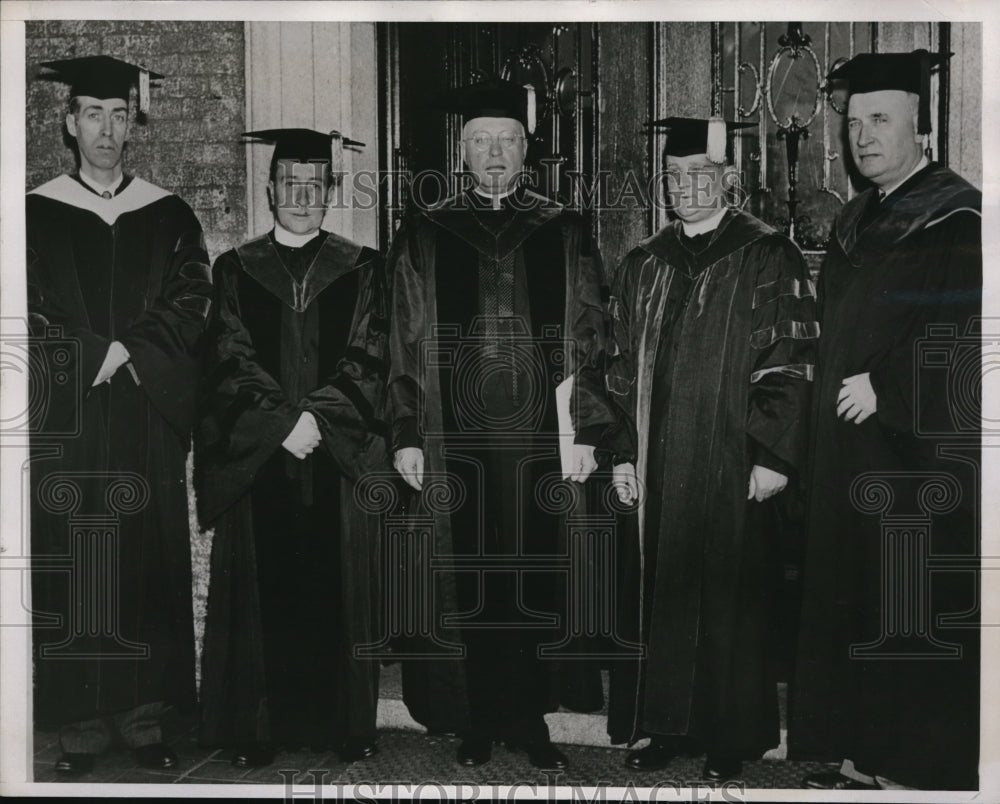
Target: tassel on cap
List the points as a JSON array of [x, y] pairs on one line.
[[531, 113], [336, 152], [103, 77], [143, 91], [716, 147], [924, 107]]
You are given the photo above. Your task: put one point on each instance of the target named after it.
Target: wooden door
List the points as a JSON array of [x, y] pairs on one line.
[[418, 60]]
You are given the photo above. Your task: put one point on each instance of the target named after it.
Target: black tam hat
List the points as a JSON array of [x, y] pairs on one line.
[[908, 72], [492, 98], [102, 77], [693, 135]]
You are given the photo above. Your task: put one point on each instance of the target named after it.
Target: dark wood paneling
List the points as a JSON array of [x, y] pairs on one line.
[[625, 69]]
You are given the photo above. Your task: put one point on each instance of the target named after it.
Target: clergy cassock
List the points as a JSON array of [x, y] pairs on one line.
[[715, 339], [111, 587], [293, 584], [905, 705], [492, 309]]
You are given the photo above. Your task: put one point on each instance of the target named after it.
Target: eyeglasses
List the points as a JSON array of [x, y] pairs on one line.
[[483, 141]]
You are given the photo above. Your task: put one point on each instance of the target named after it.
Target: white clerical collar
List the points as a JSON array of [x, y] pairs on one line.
[[99, 188], [494, 199], [707, 225], [884, 191], [291, 239]]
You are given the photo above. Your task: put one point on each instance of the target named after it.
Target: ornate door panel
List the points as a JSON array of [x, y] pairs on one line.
[[796, 163], [420, 59]]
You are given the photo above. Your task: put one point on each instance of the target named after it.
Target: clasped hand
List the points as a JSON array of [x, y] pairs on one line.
[[304, 438], [765, 483], [116, 357], [625, 482], [856, 400]]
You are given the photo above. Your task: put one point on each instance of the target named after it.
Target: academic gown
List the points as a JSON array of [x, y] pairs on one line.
[[294, 561], [715, 350], [111, 586], [493, 308], [917, 263]]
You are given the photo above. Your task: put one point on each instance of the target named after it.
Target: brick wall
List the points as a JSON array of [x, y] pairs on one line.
[[190, 142]]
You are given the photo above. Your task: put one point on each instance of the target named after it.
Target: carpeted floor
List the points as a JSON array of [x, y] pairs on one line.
[[408, 758]]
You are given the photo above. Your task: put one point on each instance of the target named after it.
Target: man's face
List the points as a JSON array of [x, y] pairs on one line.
[[696, 186], [300, 194], [882, 130], [493, 148], [101, 131]]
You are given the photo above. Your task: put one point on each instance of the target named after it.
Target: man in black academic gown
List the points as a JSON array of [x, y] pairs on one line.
[[888, 661], [291, 415], [117, 270], [496, 301], [715, 335]]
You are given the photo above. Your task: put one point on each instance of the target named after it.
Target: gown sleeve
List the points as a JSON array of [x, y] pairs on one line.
[[245, 413], [349, 406], [622, 438], [784, 331], [162, 340], [943, 295], [591, 410], [408, 311], [51, 317]]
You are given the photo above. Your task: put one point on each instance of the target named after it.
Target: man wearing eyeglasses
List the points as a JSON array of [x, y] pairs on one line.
[[496, 303]]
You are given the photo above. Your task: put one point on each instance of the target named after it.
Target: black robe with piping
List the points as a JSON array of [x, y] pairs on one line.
[[715, 355], [294, 584], [492, 310]]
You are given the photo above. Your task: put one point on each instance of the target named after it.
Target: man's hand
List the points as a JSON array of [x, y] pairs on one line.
[[856, 401], [409, 462], [765, 483], [626, 483], [583, 462], [304, 438], [116, 357]]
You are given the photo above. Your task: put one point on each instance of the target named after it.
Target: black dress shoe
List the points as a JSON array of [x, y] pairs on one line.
[[834, 780], [72, 764], [256, 755], [722, 768], [156, 757], [474, 751], [655, 756], [357, 748], [542, 754]]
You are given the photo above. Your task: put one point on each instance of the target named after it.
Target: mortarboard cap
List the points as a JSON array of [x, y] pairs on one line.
[[305, 145], [494, 97], [694, 135], [103, 77], [908, 72]]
